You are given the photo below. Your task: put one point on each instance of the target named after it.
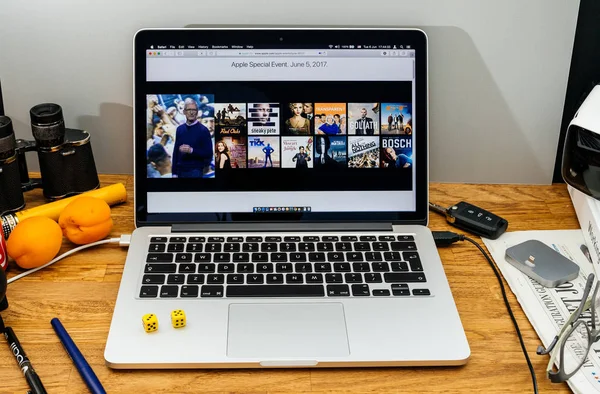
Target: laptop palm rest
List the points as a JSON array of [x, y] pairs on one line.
[[287, 331]]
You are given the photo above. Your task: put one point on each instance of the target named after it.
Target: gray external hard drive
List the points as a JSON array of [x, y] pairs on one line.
[[542, 263]]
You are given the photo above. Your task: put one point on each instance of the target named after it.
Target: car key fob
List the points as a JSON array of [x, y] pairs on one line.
[[473, 219]]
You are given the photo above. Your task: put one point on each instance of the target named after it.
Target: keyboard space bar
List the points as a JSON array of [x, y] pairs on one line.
[[276, 291]]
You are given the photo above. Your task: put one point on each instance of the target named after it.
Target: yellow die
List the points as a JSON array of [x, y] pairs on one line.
[[150, 322], [178, 318]]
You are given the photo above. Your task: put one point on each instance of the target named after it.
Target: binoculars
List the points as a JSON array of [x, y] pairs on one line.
[[65, 157]]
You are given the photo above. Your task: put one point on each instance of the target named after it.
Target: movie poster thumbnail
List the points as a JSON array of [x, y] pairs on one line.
[[330, 152], [297, 119], [363, 152], [396, 118], [263, 152], [263, 119], [166, 118], [297, 152], [230, 115], [230, 152], [330, 118], [363, 119], [396, 152]]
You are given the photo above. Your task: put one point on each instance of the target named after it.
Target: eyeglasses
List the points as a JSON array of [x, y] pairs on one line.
[[190, 110], [575, 334]]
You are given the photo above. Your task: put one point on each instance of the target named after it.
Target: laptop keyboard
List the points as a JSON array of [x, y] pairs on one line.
[[283, 266]]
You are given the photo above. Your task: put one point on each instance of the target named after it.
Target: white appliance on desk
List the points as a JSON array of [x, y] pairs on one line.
[[581, 171], [588, 214]]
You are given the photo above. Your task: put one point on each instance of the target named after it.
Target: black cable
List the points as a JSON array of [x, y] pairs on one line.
[[445, 238]]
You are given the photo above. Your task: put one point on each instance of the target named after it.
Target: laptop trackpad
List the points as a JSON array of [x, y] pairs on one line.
[[307, 330]]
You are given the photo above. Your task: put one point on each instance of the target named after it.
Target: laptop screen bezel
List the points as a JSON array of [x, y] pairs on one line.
[[290, 38]]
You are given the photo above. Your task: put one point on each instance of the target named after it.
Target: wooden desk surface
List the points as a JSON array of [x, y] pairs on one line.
[[81, 290]]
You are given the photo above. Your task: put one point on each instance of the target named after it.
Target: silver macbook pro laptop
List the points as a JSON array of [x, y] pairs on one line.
[[281, 202]]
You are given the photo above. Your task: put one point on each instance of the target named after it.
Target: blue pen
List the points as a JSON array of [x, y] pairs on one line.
[[84, 369]]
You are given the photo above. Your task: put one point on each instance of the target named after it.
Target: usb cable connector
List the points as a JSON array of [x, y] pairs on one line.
[[125, 240], [446, 238]]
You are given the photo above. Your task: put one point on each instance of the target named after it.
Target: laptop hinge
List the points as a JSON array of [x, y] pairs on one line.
[[262, 227]]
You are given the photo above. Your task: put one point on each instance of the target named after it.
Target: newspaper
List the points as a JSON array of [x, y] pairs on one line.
[[588, 214], [549, 308]]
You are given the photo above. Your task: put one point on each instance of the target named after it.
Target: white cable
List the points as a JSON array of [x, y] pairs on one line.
[[62, 256]]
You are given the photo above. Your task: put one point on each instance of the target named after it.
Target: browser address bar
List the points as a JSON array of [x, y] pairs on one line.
[[267, 53]]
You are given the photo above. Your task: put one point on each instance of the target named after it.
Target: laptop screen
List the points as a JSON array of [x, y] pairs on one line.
[[285, 128]]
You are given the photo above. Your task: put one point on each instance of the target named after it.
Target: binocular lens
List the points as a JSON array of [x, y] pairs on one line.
[[47, 125], [6, 127], [46, 114]]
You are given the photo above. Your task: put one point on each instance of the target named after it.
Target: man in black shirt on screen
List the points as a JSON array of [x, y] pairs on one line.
[[301, 158], [193, 149]]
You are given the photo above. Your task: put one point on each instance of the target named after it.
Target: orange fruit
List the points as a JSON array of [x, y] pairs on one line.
[[86, 220], [34, 242]]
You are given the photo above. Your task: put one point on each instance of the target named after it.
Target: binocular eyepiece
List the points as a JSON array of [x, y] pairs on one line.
[[47, 125], [65, 157]]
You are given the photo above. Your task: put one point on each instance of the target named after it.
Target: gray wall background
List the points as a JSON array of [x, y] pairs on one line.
[[498, 70]]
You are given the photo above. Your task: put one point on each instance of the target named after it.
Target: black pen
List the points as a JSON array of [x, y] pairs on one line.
[[24, 364]]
